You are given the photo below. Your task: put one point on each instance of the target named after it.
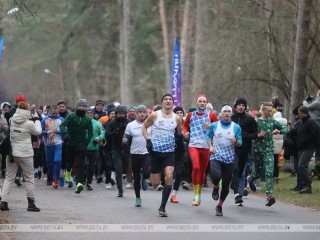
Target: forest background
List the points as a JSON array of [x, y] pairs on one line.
[[120, 50]]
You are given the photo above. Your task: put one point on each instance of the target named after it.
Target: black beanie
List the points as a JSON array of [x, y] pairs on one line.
[[166, 95], [178, 108], [240, 101], [100, 102], [304, 109], [121, 110]]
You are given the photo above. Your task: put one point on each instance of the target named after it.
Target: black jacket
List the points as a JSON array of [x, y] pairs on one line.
[[64, 114], [115, 131], [307, 134], [249, 131], [97, 115]]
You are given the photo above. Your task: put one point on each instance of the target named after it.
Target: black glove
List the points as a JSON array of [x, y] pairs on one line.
[[179, 142], [129, 141], [149, 145], [66, 137]]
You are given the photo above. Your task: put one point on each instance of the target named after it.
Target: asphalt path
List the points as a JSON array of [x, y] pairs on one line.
[[101, 206]]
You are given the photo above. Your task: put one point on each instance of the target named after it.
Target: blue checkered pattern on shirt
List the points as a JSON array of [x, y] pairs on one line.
[[197, 130]]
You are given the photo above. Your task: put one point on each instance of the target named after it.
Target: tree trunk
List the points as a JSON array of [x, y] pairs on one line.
[[164, 28], [186, 29], [120, 50], [198, 80], [271, 57], [126, 86], [301, 55], [62, 83], [175, 19]]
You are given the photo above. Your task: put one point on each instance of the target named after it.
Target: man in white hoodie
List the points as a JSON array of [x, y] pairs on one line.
[[21, 129]]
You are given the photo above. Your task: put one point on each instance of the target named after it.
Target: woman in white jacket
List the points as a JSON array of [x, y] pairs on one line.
[[21, 129]]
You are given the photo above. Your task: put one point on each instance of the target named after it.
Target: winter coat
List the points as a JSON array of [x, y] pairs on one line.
[[307, 134], [314, 110], [79, 129], [98, 131], [21, 129], [249, 131], [115, 131], [3, 124]]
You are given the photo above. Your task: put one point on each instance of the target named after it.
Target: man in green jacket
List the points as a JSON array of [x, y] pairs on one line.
[[77, 129]]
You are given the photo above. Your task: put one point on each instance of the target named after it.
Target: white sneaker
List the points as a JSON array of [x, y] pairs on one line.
[[129, 185], [108, 186], [159, 188]]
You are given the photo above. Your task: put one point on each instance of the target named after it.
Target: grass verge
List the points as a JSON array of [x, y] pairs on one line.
[[281, 191]]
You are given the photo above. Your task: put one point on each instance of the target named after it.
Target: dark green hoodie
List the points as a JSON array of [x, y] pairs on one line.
[[79, 128]]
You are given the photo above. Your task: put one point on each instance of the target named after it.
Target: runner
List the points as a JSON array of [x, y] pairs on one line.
[[161, 146], [223, 137], [140, 157], [198, 122]]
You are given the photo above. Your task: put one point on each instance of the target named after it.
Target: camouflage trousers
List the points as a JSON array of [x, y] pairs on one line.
[[266, 160]]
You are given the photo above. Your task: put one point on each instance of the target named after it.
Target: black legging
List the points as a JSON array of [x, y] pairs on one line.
[[177, 169], [240, 161], [107, 164], [187, 167], [221, 170], [76, 157], [91, 159], [140, 165]]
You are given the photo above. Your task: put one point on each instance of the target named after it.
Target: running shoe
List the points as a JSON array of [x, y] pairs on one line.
[[219, 211], [252, 186], [67, 177], [99, 179], [215, 193], [129, 185], [159, 188], [70, 184], [174, 199], [196, 200], [306, 190], [108, 186], [144, 185], [49, 182], [89, 187], [120, 192], [186, 186], [17, 182], [55, 184], [61, 181], [79, 188], [162, 212], [238, 199], [270, 201], [138, 202]]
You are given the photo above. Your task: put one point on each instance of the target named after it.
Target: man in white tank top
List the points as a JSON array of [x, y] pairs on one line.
[[161, 145], [222, 137]]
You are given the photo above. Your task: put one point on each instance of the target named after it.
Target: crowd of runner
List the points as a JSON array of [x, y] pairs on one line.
[[164, 147]]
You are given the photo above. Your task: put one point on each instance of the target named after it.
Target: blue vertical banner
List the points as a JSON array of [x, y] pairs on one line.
[[176, 74], [1, 47]]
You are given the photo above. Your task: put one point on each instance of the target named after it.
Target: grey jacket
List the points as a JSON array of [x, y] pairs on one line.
[[21, 129], [314, 110]]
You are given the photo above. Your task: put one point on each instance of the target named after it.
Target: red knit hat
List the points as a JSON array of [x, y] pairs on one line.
[[20, 98], [201, 95]]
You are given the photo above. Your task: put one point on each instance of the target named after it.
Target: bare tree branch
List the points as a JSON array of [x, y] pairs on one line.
[[24, 10]]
